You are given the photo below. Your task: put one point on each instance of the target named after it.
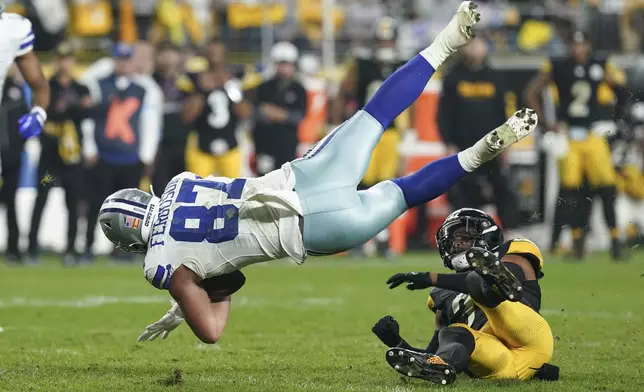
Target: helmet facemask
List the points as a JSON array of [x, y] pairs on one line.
[[458, 235]]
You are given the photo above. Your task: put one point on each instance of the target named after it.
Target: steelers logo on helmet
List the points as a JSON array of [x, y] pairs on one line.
[[462, 230]]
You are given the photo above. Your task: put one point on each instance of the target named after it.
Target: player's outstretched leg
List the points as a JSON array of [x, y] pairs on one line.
[[491, 281], [342, 157]]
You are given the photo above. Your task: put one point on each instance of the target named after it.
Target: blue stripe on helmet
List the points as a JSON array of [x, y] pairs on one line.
[[122, 211], [126, 201]]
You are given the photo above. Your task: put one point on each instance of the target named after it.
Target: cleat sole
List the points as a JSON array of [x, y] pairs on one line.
[[416, 365]]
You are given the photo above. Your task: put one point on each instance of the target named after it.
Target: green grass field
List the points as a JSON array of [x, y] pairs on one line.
[[293, 328]]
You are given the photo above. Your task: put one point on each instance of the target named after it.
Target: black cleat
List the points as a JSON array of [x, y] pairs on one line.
[[420, 365], [492, 270]]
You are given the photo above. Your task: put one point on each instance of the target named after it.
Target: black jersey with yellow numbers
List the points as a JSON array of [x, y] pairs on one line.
[[61, 138], [455, 308], [371, 74], [577, 86], [217, 124]]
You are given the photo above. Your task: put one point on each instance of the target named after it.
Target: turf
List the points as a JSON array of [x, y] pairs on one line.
[[292, 329]]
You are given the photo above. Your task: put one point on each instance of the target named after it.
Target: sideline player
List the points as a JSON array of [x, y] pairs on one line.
[[578, 79], [487, 313], [17, 45], [201, 232]]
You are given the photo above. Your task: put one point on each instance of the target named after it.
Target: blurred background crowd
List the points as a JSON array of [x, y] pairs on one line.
[[145, 89]]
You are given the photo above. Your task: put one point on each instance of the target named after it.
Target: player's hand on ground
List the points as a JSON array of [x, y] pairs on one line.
[[414, 280], [388, 331], [171, 320], [458, 32]]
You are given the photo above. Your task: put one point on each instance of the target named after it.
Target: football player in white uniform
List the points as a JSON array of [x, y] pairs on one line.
[[16, 44], [199, 234]]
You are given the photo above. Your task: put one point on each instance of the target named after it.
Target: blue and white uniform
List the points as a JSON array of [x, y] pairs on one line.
[[311, 206], [17, 39], [216, 225]]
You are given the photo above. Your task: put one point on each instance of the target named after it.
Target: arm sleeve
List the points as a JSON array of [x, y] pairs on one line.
[[151, 121], [25, 37]]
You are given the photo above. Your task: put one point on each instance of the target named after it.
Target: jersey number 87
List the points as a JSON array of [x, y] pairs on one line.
[[197, 223]]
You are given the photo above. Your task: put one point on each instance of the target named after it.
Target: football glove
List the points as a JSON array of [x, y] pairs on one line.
[[388, 331], [414, 280], [171, 320], [31, 124]]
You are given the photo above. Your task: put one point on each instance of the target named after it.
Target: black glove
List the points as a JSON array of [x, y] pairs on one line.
[[387, 330], [415, 280]]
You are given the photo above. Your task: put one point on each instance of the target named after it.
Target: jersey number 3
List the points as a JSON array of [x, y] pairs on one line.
[[219, 104], [214, 224]]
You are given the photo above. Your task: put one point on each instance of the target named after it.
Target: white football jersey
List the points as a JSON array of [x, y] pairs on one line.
[[17, 39], [217, 225]]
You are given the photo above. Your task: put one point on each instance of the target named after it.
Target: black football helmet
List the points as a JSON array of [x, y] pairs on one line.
[[462, 230]]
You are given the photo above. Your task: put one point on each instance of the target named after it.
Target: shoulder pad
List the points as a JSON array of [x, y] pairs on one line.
[[525, 248]]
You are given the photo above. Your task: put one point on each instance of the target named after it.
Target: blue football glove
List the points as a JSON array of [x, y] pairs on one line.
[[32, 124]]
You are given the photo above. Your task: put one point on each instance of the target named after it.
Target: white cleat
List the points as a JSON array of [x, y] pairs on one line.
[[458, 32], [520, 125]]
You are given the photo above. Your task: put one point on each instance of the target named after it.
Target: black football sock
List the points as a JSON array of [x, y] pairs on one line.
[[608, 195], [455, 346]]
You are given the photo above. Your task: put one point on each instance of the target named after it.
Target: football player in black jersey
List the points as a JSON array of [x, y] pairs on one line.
[[214, 106], [363, 79], [578, 79], [61, 142], [487, 313]]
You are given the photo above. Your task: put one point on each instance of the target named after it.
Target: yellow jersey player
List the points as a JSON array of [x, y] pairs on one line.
[[578, 79], [214, 106], [487, 313]]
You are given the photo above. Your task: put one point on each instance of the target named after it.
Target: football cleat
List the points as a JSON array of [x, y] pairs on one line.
[[420, 365], [458, 32], [493, 271], [520, 125]]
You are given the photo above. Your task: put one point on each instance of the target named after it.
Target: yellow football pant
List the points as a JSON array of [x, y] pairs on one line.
[[515, 342], [204, 164], [589, 158], [631, 182], [384, 159]]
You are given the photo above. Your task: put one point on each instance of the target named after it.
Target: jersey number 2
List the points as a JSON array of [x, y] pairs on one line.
[[581, 92], [214, 224]]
